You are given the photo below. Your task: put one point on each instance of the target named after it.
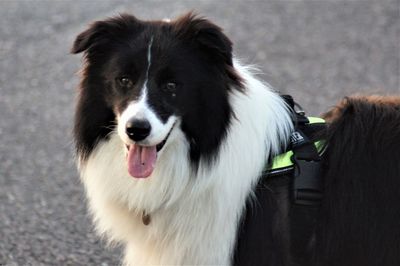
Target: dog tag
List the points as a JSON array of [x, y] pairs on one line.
[[146, 218]]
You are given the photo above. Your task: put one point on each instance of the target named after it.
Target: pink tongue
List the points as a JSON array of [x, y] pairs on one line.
[[141, 160]]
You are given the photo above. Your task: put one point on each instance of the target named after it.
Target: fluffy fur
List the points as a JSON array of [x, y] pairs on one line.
[[220, 125], [358, 224], [195, 195]]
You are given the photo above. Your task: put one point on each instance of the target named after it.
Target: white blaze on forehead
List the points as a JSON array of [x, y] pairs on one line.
[[142, 104], [148, 59], [141, 110]]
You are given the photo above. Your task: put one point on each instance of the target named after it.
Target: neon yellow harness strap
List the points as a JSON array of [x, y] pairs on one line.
[[284, 160], [315, 120]]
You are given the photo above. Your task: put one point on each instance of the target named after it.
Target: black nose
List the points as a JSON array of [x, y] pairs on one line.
[[138, 130]]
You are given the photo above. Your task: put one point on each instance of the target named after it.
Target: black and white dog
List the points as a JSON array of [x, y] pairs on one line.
[[172, 135]]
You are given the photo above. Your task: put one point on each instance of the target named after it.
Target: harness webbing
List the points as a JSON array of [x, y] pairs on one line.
[[289, 193], [284, 160], [304, 163]]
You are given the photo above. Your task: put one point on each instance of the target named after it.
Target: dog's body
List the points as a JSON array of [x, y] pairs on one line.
[[172, 135]]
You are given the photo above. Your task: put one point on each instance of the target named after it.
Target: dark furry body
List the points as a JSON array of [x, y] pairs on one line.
[[358, 222]]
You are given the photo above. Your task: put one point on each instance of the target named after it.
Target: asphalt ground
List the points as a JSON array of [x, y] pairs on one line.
[[318, 51]]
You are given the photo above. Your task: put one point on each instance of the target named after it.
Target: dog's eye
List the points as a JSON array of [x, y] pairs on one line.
[[125, 82], [171, 86]]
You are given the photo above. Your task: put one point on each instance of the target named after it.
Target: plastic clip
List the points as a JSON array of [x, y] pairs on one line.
[[307, 183]]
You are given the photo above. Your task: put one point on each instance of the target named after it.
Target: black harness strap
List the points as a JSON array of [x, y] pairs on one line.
[[306, 187], [279, 223]]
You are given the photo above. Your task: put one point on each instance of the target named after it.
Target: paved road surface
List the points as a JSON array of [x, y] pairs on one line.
[[318, 51]]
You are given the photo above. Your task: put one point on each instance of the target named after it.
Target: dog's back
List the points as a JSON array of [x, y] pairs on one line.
[[360, 214], [357, 222]]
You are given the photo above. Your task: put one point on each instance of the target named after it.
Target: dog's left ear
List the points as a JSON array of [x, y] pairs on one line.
[[102, 31], [209, 36]]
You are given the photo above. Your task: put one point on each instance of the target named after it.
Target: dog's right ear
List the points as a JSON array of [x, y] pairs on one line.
[[86, 38], [100, 32]]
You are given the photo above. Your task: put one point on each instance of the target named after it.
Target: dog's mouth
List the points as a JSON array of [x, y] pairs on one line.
[[142, 159]]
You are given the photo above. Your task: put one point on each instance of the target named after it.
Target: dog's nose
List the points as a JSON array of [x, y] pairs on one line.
[[138, 130]]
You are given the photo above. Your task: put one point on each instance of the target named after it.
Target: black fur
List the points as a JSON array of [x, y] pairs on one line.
[[358, 222], [191, 52], [360, 216]]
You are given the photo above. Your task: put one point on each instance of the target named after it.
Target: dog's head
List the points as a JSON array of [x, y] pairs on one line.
[[146, 79]]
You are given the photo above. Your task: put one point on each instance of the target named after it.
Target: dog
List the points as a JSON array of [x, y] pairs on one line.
[[173, 134]]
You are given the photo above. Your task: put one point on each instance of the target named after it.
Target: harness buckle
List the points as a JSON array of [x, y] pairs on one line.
[[307, 183]]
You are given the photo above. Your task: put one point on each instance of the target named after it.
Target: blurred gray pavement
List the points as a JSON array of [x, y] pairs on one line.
[[318, 51]]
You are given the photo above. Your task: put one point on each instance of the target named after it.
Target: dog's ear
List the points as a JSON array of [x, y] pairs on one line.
[[209, 36], [100, 32]]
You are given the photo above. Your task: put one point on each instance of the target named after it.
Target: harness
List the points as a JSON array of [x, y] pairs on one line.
[[303, 163], [303, 157], [273, 222]]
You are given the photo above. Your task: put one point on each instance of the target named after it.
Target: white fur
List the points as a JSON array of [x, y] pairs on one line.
[[194, 218]]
